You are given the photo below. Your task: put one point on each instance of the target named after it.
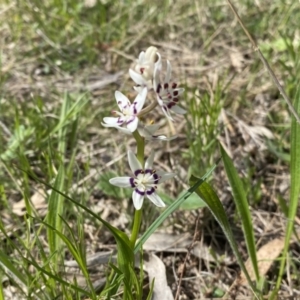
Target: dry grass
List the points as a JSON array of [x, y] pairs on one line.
[[210, 56]]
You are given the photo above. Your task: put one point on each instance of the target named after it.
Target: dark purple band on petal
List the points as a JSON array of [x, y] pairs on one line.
[[130, 120], [150, 191], [142, 193], [171, 104], [120, 120], [158, 88], [156, 178], [137, 172], [131, 180]]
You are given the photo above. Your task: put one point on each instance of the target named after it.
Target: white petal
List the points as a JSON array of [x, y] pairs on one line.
[[154, 198], [179, 90], [124, 130], [164, 176], [160, 102], [167, 113], [133, 162], [169, 70], [120, 181], [158, 64], [148, 133], [140, 99], [133, 124], [151, 128], [112, 121], [156, 72], [114, 126], [149, 161], [137, 200], [121, 99], [138, 88], [163, 137], [141, 57], [150, 54], [178, 110], [136, 77]]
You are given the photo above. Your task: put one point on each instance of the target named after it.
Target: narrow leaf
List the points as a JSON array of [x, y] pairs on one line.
[[241, 203], [295, 184], [55, 209]]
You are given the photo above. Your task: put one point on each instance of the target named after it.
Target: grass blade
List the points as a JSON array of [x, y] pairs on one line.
[[215, 206], [242, 206], [55, 209], [7, 264], [295, 184]]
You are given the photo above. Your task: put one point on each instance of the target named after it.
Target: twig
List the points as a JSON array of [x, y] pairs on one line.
[[266, 64], [190, 247]]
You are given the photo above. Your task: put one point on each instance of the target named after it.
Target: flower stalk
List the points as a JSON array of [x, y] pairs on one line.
[[145, 179]]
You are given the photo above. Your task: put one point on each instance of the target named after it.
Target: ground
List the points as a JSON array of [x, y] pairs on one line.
[[61, 63]]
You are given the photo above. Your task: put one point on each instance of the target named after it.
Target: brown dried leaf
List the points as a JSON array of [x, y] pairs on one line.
[[156, 270], [161, 241], [38, 200], [265, 256]]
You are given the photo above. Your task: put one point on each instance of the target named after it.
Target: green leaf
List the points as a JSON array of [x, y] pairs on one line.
[[125, 253], [295, 184], [19, 137], [55, 209], [241, 203], [193, 202], [215, 206], [7, 264], [57, 278], [149, 297]]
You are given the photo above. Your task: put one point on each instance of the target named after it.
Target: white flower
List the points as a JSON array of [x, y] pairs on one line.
[[168, 94], [148, 132], [129, 112], [144, 181], [143, 72]]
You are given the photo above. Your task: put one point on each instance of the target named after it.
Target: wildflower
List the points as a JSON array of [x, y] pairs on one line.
[[168, 93], [144, 181], [148, 132], [129, 112], [143, 72]]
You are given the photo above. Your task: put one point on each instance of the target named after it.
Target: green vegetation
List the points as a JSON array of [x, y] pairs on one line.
[[61, 62]]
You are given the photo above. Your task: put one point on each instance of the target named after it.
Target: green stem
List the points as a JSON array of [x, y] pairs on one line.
[[147, 109], [136, 227], [140, 147], [138, 213]]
